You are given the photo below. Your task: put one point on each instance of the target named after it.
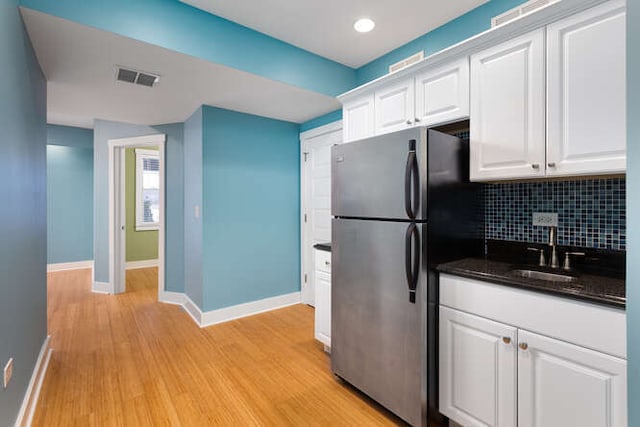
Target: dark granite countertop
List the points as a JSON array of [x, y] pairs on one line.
[[588, 287], [323, 246]]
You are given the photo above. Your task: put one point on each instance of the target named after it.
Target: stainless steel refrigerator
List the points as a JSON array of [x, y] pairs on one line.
[[401, 204]]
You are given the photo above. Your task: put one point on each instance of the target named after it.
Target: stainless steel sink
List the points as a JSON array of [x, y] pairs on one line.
[[541, 275]]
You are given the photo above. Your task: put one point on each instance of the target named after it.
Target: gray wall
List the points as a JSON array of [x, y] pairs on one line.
[[174, 255], [192, 198], [23, 227]]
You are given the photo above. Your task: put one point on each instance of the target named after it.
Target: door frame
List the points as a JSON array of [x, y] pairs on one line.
[[307, 140], [117, 249]]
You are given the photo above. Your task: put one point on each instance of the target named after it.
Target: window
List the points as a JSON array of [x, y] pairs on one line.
[[147, 189]]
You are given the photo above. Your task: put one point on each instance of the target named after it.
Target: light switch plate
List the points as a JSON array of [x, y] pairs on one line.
[[547, 219]]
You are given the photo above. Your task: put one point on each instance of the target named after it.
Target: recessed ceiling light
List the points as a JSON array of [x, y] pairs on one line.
[[364, 25]]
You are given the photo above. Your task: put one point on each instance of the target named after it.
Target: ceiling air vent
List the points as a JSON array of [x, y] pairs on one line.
[[406, 62], [520, 11], [137, 77]]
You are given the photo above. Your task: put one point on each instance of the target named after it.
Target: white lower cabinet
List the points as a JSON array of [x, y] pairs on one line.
[[477, 370], [561, 384], [323, 297], [493, 372]]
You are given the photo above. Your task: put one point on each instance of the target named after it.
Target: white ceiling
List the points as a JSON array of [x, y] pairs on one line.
[[79, 61], [325, 27]]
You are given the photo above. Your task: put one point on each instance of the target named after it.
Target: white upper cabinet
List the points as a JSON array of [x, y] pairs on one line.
[[394, 107], [560, 384], [586, 82], [358, 118], [508, 110], [442, 94]]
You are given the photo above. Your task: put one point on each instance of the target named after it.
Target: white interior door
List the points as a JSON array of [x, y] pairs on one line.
[[119, 207], [316, 199]]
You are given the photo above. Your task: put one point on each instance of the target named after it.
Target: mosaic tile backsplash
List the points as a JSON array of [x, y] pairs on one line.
[[591, 213]]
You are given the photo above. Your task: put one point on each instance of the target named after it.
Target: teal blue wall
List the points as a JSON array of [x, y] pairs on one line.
[[322, 120], [174, 231], [23, 222], [467, 25], [69, 194], [182, 28], [633, 209], [251, 198], [193, 199]]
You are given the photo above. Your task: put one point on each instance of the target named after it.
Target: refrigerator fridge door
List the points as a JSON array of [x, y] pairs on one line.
[[378, 337], [381, 177]]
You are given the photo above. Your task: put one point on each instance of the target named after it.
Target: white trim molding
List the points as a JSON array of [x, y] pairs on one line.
[[248, 309], [102, 288], [221, 315], [321, 130], [177, 298], [30, 401], [76, 265], [147, 263], [192, 310]]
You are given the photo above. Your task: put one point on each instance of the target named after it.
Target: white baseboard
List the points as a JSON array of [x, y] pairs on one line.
[[168, 297], [147, 263], [102, 288], [248, 309], [192, 310], [30, 401], [76, 265]]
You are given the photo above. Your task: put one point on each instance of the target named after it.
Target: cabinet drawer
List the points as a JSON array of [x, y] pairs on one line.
[[588, 325], [323, 261]]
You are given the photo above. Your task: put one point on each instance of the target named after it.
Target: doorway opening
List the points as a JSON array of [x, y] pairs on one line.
[[136, 208]]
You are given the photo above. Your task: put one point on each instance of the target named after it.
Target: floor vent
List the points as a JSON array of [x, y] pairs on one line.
[[519, 11], [406, 62], [141, 78]]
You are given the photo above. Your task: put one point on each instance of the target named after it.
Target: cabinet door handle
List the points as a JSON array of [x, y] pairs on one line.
[[409, 122], [416, 120], [535, 166], [551, 165], [327, 263], [506, 340], [523, 346]]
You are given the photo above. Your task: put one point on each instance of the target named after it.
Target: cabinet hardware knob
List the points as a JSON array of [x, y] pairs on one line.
[[535, 166], [327, 263], [523, 346], [409, 122], [416, 120], [551, 165], [506, 340]]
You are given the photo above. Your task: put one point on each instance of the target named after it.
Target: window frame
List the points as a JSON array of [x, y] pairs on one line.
[[141, 155]]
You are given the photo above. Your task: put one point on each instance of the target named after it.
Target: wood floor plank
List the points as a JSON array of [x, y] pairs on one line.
[[127, 360]]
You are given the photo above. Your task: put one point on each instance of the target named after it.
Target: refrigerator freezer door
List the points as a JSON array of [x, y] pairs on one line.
[[379, 335], [381, 177]]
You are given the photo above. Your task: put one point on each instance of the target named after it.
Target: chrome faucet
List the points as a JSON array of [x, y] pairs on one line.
[[553, 262]]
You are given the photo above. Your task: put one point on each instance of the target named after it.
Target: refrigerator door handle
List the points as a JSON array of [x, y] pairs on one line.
[[412, 259], [412, 182]]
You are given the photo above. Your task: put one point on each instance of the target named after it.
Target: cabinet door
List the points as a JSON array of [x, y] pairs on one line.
[[442, 94], [477, 370], [358, 118], [560, 384], [587, 92], [395, 106], [508, 110], [323, 307]]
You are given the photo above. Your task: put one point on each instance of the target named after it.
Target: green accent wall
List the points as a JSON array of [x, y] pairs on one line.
[[141, 245]]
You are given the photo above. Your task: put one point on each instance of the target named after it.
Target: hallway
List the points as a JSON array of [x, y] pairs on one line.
[[129, 360]]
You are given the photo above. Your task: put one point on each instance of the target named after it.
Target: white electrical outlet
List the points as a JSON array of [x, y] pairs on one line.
[[8, 371], [545, 218]]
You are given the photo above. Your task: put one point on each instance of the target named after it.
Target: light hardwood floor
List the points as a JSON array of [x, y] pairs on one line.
[[127, 360]]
